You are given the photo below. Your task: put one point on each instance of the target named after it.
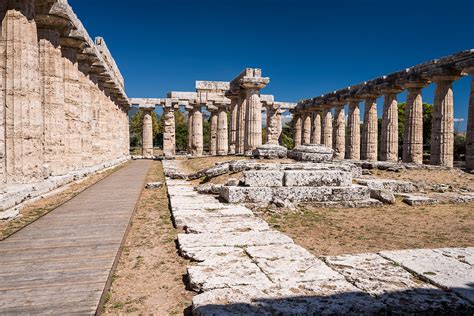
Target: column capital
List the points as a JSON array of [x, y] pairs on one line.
[[414, 83], [252, 83]]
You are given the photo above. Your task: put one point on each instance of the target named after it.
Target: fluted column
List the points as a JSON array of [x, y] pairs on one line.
[[470, 125], [413, 136], [222, 131], [326, 135], [306, 134], [279, 124], [52, 94], [273, 122], [213, 139], [233, 124], [369, 131], [339, 132], [197, 147], [147, 134], [442, 129], [297, 128], [23, 108], [316, 128], [253, 137], [353, 130], [389, 132], [169, 134], [241, 124], [190, 131]]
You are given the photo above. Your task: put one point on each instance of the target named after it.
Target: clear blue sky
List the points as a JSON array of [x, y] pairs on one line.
[[306, 47]]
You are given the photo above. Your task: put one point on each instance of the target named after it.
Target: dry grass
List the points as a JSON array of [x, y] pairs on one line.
[[149, 275], [34, 210]]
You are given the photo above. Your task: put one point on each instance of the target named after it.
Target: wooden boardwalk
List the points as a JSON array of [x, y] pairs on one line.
[[63, 262]]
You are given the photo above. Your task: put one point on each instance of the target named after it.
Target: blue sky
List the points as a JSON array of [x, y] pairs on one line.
[[306, 47]]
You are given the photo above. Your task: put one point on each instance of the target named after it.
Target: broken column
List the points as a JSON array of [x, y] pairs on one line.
[[253, 135], [23, 108], [316, 128], [222, 146], [326, 135], [169, 134], [213, 124], [369, 131], [339, 131], [147, 134], [470, 125], [389, 132], [273, 122], [413, 137], [442, 131], [306, 134], [297, 128], [197, 144], [353, 130]]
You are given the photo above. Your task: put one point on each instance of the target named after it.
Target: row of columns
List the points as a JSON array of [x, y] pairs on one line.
[[319, 127], [57, 118]]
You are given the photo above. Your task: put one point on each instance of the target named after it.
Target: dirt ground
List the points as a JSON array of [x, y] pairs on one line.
[[34, 210], [149, 275]]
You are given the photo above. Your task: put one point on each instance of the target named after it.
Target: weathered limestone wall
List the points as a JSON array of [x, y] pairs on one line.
[[61, 107]]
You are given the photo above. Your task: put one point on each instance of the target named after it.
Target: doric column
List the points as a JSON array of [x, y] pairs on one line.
[[369, 131], [222, 131], [253, 134], [233, 123], [339, 132], [413, 136], [190, 130], [389, 132], [169, 134], [197, 147], [316, 128], [213, 123], [470, 125], [297, 128], [306, 134], [147, 133], [22, 106], [326, 134], [279, 124], [442, 129], [353, 130], [241, 124], [273, 122], [52, 94]]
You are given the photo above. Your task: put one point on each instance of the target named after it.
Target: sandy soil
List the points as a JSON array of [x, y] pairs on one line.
[[149, 276], [41, 207]]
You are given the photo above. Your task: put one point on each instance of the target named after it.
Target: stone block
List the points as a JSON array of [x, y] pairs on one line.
[[313, 153], [217, 170], [396, 186], [225, 224], [270, 152], [415, 200], [312, 178], [153, 185], [263, 178], [323, 194], [246, 194], [384, 196]]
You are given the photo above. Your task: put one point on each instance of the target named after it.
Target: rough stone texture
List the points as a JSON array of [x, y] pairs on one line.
[[369, 141], [394, 286], [353, 133], [197, 140], [383, 195], [445, 272], [316, 129], [233, 125], [262, 178], [413, 137], [246, 194], [169, 134], [306, 133], [270, 151], [273, 125], [225, 224], [326, 128], [241, 124], [213, 140], [395, 186], [470, 126], [222, 144], [310, 178], [313, 153], [389, 132], [339, 133], [442, 135], [298, 130], [415, 200], [153, 185], [253, 117]]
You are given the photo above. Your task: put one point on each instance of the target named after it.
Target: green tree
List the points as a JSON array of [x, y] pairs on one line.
[[287, 135]]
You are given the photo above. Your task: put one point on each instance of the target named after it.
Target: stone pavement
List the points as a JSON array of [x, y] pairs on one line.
[[245, 267], [63, 261]]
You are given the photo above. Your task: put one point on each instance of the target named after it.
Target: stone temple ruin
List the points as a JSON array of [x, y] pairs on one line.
[[65, 115]]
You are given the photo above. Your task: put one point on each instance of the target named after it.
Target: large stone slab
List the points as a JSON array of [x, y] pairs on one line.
[[313, 153], [443, 271], [247, 194], [398, 289], [465, 255], [396, 186], [312, 178], [270, 152], [415, 200], [225, 224], [245, 239], [201, 254], [263, 178]]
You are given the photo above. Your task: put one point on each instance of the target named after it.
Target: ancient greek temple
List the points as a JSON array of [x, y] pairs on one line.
[[240, 99], [322, 119]]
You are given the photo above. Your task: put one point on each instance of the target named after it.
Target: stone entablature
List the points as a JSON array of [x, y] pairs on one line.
[[362, 143]]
